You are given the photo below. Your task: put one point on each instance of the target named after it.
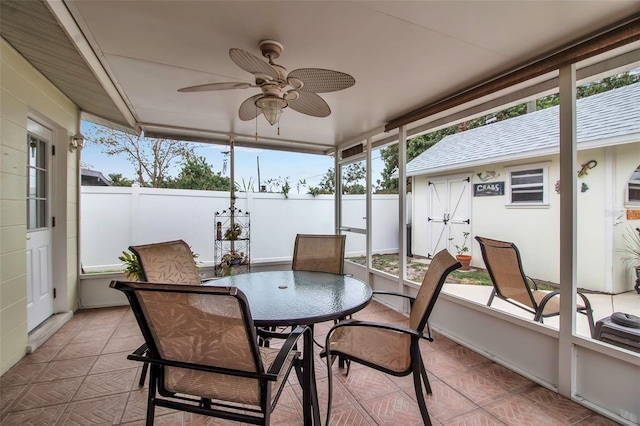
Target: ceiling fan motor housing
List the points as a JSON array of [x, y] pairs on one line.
[[271, 49]]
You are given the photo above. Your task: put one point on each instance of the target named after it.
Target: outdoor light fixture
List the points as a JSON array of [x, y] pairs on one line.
[[77, 142], [271, 107]]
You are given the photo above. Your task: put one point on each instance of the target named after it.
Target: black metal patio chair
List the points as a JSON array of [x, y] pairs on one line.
[[203, 352]]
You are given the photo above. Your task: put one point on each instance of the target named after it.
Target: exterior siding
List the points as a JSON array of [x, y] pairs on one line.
[[535, 230], [25, 93]]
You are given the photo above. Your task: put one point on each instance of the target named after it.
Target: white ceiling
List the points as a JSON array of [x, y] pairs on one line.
[[402, 54]]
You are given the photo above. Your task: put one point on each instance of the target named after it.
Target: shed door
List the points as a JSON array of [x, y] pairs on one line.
[[449, 212]]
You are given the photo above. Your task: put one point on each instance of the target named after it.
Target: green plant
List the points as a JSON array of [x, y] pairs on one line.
[[632, 250], [231, 259], [462, 248], [132, 268], [233, 232]]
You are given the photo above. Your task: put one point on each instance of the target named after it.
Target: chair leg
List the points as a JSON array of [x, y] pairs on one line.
[[417, 384], [493, 294], [588, 312], [143, 374], [151, 399], [423, 371]]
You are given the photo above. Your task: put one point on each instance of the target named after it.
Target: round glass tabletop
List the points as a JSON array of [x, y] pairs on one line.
[[299, 297]]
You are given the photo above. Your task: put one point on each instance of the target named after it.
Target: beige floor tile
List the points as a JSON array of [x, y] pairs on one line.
[[477, 387], [101, 410], [558, 406], [518, 410], [65, 369], [109, 383], [395, 408], [35, 416], [43, 394], [477, 417], [81, 376], [80, 350]]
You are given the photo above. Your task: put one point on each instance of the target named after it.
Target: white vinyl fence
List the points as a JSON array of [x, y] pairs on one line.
[[113, 218]]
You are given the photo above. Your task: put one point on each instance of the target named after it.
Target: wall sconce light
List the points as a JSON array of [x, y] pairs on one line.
[[77, 142]]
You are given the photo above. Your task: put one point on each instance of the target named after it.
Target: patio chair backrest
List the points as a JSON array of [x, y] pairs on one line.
[[169, 262], [504, 265], [320, 253], [203, 325], [442, 264]]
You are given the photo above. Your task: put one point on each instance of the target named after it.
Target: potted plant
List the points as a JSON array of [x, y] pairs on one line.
[[462, 250], [132, 268], [233, 232], [231, 259], [632, 252]]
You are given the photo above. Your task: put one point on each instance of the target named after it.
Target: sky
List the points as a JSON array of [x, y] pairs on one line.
[[273, 164]]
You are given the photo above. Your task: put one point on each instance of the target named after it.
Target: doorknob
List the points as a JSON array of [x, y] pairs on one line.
[[28, 238]]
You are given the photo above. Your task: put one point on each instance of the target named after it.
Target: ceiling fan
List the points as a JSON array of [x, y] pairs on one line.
[[297, 89]]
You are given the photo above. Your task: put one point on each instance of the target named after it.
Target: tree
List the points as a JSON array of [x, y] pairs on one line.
[[415, 147], [196, 173], [151, 158], [352, 181], [117, 180], [419, 144]]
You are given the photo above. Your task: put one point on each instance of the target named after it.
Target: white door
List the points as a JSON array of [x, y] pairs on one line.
[[449, 213], [39, 273]]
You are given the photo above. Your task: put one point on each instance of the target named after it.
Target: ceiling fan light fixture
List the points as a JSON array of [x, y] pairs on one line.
[[271, 107]]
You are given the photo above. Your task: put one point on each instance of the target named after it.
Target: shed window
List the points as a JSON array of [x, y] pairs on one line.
[[527, 185], [633, 187]]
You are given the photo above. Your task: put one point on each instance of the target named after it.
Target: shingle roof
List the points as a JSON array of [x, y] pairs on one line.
[[615, 113]]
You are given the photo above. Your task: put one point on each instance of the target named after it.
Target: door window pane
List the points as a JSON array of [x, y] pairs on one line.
[[36, 183]]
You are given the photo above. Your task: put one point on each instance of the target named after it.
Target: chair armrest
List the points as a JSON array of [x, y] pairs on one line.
[[206, 368], [286, 348], [385, 326], [546, 298], [141, 350], [532, 283]]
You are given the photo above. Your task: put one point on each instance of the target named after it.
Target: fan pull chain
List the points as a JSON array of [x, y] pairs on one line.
[[256, 124], [278, 127]]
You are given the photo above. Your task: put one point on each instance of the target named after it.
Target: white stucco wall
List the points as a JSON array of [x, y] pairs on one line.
[[25, 93], [535, 230]]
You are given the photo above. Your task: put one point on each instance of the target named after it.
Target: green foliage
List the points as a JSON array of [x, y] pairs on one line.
[[280, 185], [132, 268], [415, 147], [196, 173], [326, 186], [247, 186], [462, 248], [419, 144], [151, 158], [117, 180], [632, 249], [353, 178], [233, 232]]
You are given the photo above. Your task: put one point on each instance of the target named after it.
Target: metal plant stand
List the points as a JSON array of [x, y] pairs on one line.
[[232, 248]]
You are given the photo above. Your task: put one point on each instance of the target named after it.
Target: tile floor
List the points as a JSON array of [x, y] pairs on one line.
[[81, 376]]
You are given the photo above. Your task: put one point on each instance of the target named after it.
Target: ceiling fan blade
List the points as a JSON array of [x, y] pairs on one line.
[[318, 80], [251, 63], [215, 86], [310, 104], [248, 110]]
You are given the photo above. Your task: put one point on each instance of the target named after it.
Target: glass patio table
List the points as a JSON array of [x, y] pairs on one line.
[[290, 298]]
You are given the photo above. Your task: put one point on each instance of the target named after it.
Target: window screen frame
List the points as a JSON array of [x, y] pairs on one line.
[[509, 187]]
